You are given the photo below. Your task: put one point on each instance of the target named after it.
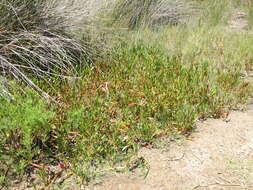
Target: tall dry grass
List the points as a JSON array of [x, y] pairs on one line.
[[52, 38], [35, 42], [150, 13]]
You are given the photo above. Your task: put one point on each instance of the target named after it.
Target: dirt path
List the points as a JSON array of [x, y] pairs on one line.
[[219, 155]]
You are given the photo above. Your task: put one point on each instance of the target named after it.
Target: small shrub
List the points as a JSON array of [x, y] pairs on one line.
[[24, 130]]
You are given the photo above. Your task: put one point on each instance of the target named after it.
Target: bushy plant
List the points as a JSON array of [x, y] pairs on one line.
[[24, 130]]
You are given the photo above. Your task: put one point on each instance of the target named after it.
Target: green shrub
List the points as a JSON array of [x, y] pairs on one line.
[[24, 130]]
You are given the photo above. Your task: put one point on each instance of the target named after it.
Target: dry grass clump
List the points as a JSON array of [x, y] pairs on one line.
[[34, 41], [33, 33], [37, 53], [150, 13]]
